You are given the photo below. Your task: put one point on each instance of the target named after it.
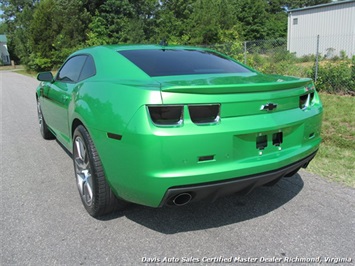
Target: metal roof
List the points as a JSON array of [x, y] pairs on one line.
[[322, 5], [3, 38]]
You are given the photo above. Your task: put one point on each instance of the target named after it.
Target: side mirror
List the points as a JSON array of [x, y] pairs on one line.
[[45, 76]]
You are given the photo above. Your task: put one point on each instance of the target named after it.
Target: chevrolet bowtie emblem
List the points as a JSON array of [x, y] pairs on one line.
[[268, 107]]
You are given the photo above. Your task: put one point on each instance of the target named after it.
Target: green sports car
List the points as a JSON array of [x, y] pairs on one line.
[[168, 125]]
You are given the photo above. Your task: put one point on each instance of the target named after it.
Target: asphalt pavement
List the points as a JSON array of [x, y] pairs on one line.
[[303, 220]]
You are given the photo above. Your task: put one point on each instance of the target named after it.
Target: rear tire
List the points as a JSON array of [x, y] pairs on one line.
[[96, 194], [45, 132]]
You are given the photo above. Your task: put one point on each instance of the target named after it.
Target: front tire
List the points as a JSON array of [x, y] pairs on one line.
[[96, 195], [45, 132]]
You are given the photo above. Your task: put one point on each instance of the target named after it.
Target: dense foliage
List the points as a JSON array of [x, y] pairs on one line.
[[42, 33]]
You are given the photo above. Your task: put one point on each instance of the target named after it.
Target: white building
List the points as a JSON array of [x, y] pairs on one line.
[[4, 54], [334, 23]]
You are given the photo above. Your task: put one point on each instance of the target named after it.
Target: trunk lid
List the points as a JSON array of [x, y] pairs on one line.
[[238, 95]]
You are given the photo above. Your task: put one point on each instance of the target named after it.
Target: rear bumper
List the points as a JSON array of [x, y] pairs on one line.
[[213, 190], [149, 163]]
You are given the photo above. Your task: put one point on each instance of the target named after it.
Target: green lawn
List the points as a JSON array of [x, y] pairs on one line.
[[335, 160]]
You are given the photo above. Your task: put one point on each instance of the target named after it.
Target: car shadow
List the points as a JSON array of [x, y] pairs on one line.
[[204, 214], [224, 211]]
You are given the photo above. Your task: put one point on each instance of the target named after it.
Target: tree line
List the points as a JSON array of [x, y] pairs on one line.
[[42, 33]]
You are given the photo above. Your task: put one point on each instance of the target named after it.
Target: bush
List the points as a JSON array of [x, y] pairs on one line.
[[37, 63], [338, 78], [308, 58], [281, 55]]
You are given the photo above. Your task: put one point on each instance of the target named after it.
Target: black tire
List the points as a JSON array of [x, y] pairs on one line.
[[45, 132], [95, 193]]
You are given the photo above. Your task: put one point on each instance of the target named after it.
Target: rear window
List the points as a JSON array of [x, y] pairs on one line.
[[181, 62]]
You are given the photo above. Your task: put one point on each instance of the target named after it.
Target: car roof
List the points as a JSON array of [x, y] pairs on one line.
[[123, 47]]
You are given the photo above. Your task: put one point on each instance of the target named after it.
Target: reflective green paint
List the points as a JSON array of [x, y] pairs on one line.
[[150, 159]]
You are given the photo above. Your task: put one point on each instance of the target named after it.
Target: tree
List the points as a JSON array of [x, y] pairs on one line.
[[276, 5], [212, 21], [57, 28], [171, 21], [120, 22], [17, 15], [253, 16], [3, 28], [42, 33]]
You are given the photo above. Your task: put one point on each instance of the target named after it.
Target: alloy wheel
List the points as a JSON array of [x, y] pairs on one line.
[[83, 171], [40, 116]]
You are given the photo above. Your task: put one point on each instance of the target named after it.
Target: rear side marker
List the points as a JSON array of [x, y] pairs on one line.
[[114, 136]]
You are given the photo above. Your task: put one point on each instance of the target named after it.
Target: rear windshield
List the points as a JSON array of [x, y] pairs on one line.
[[181, 62]]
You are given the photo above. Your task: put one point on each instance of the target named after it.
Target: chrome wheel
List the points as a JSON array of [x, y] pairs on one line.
[[40, 116], [83, 171], [95, 193], [45, 132]]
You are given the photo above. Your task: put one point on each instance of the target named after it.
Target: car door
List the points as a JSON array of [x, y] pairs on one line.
[[58, 95]]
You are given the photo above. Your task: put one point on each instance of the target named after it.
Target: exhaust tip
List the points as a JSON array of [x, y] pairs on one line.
[[182, 199]]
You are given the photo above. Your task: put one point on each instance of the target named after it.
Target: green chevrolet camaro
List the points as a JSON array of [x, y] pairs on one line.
[[168, 125]]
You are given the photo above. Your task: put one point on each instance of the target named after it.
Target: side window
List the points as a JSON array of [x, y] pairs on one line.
[[71, 70], [89, 69]]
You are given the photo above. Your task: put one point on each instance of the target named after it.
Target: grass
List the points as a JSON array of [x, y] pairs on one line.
[[27, 73], [19, 69], [9, 67], [335, 160]]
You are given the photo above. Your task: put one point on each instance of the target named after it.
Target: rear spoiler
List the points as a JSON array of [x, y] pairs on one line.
[[236, 88]]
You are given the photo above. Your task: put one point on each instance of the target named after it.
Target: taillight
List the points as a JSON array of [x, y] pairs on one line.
[[311, 97], [205, 114], [166, 115], [306, 100], [303, 101]]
